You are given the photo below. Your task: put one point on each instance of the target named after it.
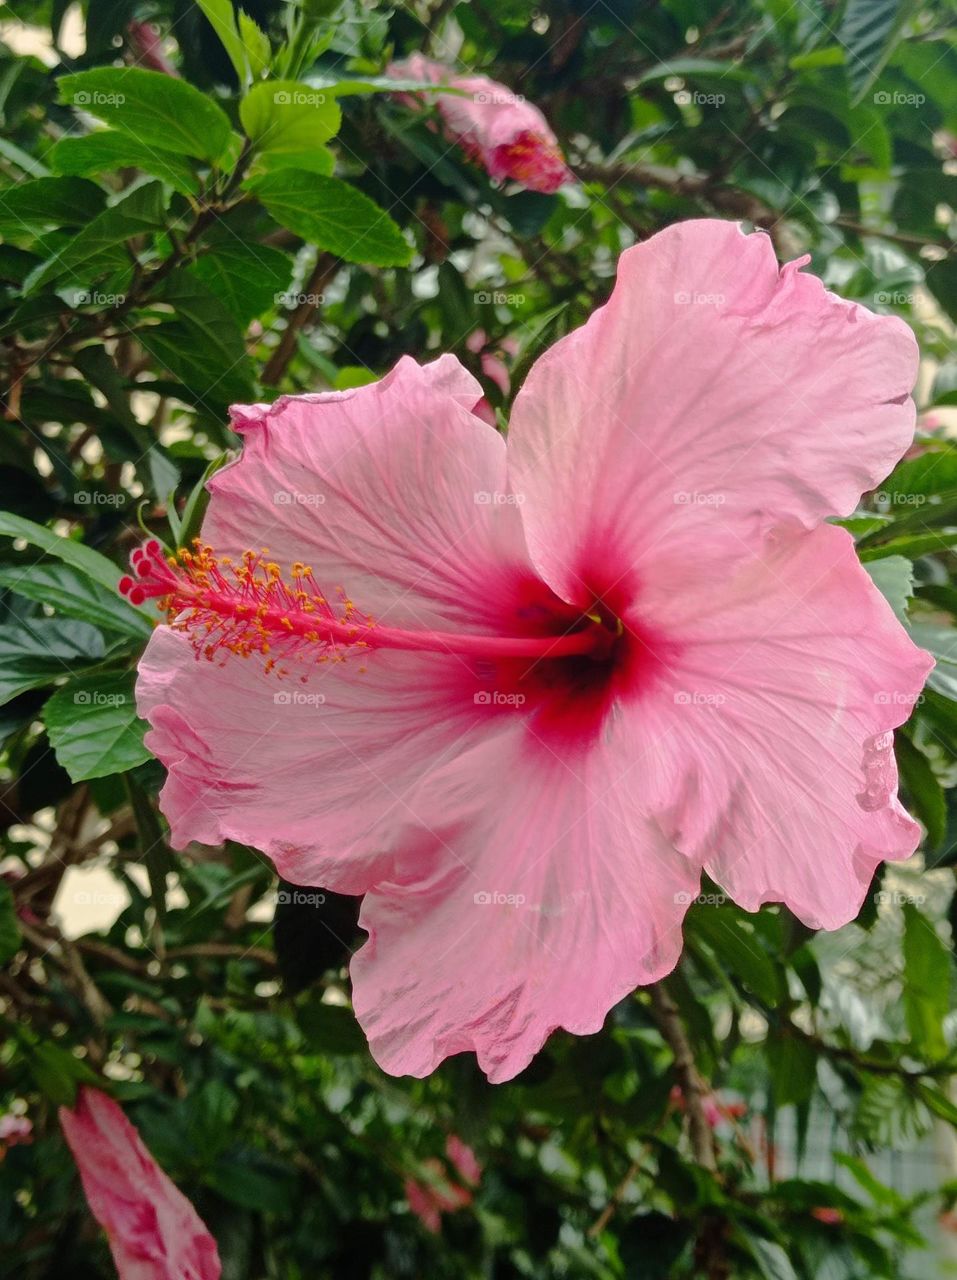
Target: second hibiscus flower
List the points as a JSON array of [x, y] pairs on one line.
[[520, 697], [508, 136]]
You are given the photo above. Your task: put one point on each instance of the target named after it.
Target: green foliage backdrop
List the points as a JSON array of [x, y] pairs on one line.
[[176, 243]]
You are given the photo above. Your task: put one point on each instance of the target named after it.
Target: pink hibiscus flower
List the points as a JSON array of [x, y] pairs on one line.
[[494, 367], [153, 1230], [531, 691], [429, 1200], [496, 127]]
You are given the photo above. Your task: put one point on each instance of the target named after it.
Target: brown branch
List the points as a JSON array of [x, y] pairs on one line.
[[693, 1087], [897, 237], [229, 949], [326, 267], [618, 1195]]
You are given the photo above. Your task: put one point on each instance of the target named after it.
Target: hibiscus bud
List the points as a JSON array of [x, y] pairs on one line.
[[153, 1230]]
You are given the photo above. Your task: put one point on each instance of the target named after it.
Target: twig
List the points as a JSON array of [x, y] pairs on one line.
[[618, 1195], [693, 1088], [326, 266]]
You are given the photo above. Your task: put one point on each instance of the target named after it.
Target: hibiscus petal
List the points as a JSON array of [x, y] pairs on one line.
[[154, 1231], [315, 775], [770, 735], [387, 490], [552, 899], [712, 398]]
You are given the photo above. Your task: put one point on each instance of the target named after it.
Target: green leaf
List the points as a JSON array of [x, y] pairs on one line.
[[333, 216], [249, 278], [331, 1028], [9, 928], [68, 550], [286, 115], [203, 345], [255, 44], [37, 651], [793, 1067], [222, 20], [942, 643], [927, 979], [926, 793], [58, 1073], [913, 546], [938, 1102], [101, 244], [50, 202], [869, 32], [318, 160], [894, 578], [93, 726], [738, 948], [69, 592], [194, 510], [152, 107], [106, 151]]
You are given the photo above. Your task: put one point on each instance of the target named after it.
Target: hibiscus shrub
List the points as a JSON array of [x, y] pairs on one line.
[[204, 207]]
